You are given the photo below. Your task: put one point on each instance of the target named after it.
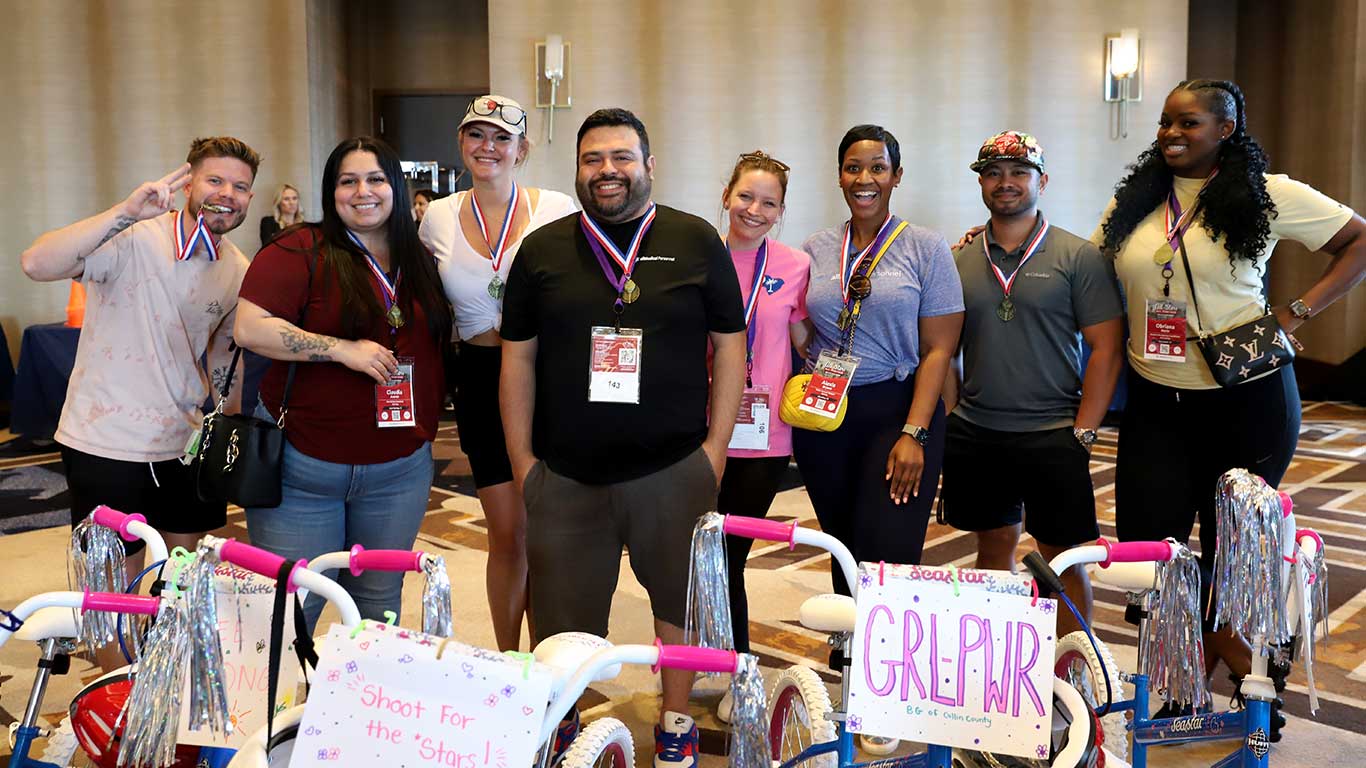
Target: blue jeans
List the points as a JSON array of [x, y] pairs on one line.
[[329, 507]]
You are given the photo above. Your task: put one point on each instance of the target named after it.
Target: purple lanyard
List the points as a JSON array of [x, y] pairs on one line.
[[599, 243], [752, 309]]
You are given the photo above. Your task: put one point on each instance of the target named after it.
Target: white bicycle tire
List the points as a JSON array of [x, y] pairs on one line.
[[800, 708], [62, 746], [1077, 646], [601, 737]]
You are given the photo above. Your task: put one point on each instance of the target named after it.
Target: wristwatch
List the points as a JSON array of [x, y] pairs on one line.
[[1299, 309], [1087, 437], [919, 434]]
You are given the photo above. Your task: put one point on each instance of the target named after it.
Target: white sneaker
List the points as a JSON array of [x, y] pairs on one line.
[[878, 745], [724, 707]]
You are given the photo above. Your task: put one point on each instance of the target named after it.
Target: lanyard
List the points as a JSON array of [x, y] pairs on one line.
[[752, 309], [603, 248], [850, 314], [184, 250], [388, 289], [849, 264], [1174, 231], [497, 250], [1008, 283]]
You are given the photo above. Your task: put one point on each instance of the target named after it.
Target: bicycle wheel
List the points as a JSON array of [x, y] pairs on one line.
[[797, 717], [1078, 665], [62, 747], [604, 743]]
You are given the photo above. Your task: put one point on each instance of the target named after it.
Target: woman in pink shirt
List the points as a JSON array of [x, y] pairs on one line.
[[773, 280]]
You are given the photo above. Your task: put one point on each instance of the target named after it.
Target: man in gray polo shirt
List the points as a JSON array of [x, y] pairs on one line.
[[1019, 438]]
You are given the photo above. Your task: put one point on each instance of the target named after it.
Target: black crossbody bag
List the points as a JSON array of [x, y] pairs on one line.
[[240, 456], [1245, 351]]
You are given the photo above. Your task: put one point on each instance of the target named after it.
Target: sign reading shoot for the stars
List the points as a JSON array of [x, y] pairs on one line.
[[381, 697], [957, 657]]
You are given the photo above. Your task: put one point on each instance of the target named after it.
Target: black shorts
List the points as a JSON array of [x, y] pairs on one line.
[[476, 415], [161, 491], [991, 477]]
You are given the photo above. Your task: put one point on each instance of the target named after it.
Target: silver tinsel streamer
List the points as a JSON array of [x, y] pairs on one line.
[[96, 563], [1247, 563], [749, 747], [1318, 598], [436, 599], [707, 623], [208, 691], [1174, 653], [1314, 614], [153, 713]]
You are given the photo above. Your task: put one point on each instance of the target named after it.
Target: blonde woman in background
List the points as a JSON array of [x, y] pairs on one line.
[[286, 213]]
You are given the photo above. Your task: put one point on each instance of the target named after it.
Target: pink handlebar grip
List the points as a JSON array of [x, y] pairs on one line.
[[759, 528], [257, 560], [112, 518], [1309, 533], [1135, 551], [693, 658], [115, 602], [392, 560], [1287, 504]]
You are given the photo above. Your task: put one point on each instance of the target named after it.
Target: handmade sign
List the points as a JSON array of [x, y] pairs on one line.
[[382, 697], [245, 601], [955, 657]]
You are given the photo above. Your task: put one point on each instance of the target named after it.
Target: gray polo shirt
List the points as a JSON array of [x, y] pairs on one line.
[[1025, 375]]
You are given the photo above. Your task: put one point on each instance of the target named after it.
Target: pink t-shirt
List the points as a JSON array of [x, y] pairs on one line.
[[782, 301]]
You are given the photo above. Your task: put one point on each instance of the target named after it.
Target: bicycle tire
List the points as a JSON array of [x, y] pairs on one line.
[[603, 743], [798, 717], [1075, 649], [62, 746]]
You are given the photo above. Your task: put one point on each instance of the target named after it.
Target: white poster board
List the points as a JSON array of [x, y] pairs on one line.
[[955, 657], [382, 698], [245, 601]]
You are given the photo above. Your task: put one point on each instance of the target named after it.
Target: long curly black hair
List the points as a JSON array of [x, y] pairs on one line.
[[1234, 204]]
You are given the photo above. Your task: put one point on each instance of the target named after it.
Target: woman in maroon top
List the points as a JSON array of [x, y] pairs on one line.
[[355, 301]]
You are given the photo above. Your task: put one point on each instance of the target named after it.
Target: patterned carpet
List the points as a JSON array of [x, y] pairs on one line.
[[1327, 481]]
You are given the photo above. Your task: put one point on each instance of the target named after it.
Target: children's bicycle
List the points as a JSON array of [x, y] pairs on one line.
[[1134, 566], [805, 727]]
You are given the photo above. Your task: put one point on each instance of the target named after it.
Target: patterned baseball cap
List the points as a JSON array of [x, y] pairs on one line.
[[496, 110], [1010, 145]]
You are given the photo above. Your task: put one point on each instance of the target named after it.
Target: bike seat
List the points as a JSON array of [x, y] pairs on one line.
[[828, 613], [565, 652], [49, 622], [1130, 577]]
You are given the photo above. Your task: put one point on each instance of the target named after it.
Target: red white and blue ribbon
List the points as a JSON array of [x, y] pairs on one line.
[[602, 244], [849, 264], [1008, 283], [497, 250], [751, 309], [388, 288], [185, 249]]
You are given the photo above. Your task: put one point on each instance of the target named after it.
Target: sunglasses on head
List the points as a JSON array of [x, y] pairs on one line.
[[508, 113]]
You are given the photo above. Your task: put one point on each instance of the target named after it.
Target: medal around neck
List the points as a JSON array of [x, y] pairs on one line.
[[394, 316], [630, 291], [1006, 310], [496, 288]]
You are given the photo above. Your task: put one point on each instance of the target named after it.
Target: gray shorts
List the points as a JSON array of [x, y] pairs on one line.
[[575, 533]]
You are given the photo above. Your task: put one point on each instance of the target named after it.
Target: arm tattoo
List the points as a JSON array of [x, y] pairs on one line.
[[218, 377], [317, 358], [300, 341], [120, 223]]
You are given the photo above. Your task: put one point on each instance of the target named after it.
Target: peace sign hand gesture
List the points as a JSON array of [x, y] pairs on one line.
[[154, 198]]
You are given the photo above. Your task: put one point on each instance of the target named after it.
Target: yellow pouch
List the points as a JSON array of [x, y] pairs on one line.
[[794, 416]]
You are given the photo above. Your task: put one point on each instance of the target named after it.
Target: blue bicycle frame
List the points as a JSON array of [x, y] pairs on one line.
[[934, 756], [1252, 726]]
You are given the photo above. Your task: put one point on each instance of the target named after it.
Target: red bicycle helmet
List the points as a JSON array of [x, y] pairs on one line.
[[95, 719]]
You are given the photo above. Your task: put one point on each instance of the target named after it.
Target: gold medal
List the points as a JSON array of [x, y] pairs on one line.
[[1006, 310], [1162, 255], [630, 291], [395, 316], [843, 320]]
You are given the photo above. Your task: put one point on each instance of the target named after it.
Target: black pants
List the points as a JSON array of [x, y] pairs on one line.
[[1174, 444], [747, 489], [845, 474]]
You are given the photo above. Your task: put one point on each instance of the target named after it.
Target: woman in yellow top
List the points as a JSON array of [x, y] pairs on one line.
[[1205, 179]]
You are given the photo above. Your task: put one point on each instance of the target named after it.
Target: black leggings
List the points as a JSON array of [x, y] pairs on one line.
[[747, 489], [845, 474], [1174, 444]]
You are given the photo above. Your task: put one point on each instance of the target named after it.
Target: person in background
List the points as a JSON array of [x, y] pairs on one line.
[[475, 236], [286, 212], [356, 302], [421, 199]]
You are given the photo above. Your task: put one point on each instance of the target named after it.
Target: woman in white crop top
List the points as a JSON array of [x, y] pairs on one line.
[[475, 236]]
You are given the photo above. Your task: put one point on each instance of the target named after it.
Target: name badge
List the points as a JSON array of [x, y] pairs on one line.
[[829, 384], [1164, 334], [752, 422], [614, 365], [394, 398]]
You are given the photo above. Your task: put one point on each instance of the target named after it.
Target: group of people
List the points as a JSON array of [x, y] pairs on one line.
[[964, 362]]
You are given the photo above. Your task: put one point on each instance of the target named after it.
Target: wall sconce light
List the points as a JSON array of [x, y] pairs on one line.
[[1123, 76], [552, 79]]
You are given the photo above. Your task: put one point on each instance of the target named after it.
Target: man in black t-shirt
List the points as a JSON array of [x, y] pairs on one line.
[[605, 394]]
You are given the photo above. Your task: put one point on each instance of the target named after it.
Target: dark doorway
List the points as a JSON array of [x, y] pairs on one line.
[[421, 127]]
